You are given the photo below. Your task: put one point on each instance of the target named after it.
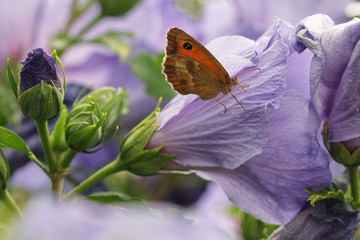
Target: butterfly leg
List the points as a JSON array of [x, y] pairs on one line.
[[236, 100], [221, 102]]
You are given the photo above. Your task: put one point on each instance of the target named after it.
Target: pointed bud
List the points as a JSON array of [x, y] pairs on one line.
[[132, 153], [84, 128], [41, 95], [339, 152]]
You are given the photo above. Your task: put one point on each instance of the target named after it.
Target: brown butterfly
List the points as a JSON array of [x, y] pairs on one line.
[[191, 68]]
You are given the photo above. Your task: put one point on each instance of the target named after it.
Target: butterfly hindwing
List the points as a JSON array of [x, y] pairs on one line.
[[187, 75]]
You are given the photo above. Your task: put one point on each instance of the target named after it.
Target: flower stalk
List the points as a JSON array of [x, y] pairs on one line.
[[113, 167], [354, 182]]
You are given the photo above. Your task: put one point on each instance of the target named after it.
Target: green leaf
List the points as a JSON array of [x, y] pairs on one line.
[[148, 69], [115, 7], [9, 139], [4, 172], [113, 197], [14, 84]]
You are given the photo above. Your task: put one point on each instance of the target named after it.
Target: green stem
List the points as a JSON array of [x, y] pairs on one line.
[[354, 182], [68, 158], [6, 198], [43, 131], [113, 167]]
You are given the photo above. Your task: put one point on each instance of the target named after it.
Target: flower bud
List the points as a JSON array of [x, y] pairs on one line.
[[84, 128], [132, 153], [110, 100], [340, 152], [41, 95]]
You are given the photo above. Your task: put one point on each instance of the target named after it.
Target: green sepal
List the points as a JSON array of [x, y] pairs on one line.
[[109, 100], [9, 139], [148, 69], [58, 134], [57, 60], [14, 84], [4, 172], [113, 197], [339, 152], [41, 102], [148, 162], [139, 136], [132, 153], [330, 193]]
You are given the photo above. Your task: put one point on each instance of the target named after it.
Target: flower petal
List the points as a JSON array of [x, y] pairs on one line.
[[271, 185], [202, 135]]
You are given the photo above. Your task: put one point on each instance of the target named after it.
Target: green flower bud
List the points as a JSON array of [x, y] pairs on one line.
[[84, 128], [41, 93], [132, 153], [109, 100], [339, 152]]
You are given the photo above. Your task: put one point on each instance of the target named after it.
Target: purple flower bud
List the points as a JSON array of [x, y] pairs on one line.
[[329, 219], [37, 67]]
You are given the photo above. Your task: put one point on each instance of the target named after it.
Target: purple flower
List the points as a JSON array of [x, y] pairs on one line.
[[253, 18], [329, 219], [334, 74], [51, 219], [263, 157], [37, 67], [200, 134], [270, 186]]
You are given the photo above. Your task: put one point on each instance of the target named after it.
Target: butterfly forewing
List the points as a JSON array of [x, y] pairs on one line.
[[176, 38]]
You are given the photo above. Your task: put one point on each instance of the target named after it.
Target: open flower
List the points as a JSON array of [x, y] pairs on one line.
[[200, 134], [335, 74], [263, 157], [270, 186]]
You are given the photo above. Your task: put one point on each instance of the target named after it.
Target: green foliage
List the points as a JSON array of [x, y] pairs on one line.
[[4, 172], [252, 228], [9, 139], [115, 41], [113, 197], [115, 7], [148, 69]]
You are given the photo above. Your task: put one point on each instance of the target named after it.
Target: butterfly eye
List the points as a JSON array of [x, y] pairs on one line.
[[187, 46]]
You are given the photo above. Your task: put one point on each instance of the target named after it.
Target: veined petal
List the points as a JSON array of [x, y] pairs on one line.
[[271, 185]]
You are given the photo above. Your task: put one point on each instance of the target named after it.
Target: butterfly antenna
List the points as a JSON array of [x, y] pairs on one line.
[[236, 100]]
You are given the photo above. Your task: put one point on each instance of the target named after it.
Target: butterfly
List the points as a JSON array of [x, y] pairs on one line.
[[190, 68]]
